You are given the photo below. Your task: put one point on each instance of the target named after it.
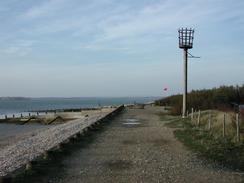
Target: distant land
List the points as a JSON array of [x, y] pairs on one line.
[[29, 98], [14, 98]]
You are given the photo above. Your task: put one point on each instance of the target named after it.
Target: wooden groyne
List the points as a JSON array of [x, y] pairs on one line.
[[21, 154]]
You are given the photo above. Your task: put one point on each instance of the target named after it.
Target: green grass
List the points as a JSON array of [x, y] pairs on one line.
[[214, 148]]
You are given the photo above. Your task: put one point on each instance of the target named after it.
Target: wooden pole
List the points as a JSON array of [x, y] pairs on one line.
[[224, 125], [198, 117], [237, 128], [45, 155], [28, 166], [209, 121]]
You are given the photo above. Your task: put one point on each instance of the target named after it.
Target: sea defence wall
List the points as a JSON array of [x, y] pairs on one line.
[[21, 154]]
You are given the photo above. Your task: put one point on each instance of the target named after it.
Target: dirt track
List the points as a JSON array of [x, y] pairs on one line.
[[137, 147]]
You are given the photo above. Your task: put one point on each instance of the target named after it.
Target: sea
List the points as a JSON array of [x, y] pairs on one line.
[[11, 106]]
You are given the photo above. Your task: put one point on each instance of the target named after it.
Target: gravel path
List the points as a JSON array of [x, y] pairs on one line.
[[137, 147]]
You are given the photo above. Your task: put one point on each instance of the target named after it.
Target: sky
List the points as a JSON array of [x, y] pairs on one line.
[[115, 48]]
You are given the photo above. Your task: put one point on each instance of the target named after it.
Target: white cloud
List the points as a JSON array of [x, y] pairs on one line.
[[45, 9], [109, 20], [97, 24], [126, 33], [18, 48]]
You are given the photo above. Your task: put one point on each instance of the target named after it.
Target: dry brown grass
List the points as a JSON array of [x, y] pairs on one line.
[[217, 123]]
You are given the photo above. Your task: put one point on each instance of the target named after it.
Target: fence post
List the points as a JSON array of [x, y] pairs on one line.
[[28, 166], [209, 121], [237, 128], [198, 118], [192, 114], [224, 125]]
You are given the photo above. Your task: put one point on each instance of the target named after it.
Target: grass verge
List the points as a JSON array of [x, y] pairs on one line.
[[221, 150]]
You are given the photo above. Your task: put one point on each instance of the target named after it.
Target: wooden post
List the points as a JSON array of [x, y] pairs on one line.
[[59, 147], [82, 132], [198, 118], [237, 128], [45, 155], [6, 117], [28, 166], [192, 114], [21, 115], [76, 136], [13, 116], [224, 125], [209, 121]]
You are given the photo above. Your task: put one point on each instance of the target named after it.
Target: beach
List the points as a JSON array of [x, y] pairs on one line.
[[135, 146]]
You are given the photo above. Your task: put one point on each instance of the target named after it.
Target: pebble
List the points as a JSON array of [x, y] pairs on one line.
[[17, 155]]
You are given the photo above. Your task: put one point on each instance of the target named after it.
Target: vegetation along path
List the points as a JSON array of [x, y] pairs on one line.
[[135, 147]]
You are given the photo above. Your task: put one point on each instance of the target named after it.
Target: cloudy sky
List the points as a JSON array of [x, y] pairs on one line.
[[117, 47]]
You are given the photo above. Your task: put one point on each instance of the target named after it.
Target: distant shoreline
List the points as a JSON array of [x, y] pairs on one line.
[[17, 105], [14, 98], [29, 98]]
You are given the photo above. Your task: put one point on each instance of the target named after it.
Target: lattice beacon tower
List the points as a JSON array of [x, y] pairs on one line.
[[185, 42]]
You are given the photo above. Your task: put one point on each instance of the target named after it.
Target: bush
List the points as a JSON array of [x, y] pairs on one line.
[[224, 97]]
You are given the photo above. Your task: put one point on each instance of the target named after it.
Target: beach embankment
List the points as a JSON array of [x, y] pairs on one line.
[[20, 155]]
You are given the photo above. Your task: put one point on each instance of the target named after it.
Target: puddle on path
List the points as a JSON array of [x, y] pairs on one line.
[[131, 121], [134, 123]]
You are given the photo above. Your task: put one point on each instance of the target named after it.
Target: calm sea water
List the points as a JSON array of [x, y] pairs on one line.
[[17, 106]]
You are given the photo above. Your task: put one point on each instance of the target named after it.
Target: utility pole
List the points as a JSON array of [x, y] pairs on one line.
[[185, 42]]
